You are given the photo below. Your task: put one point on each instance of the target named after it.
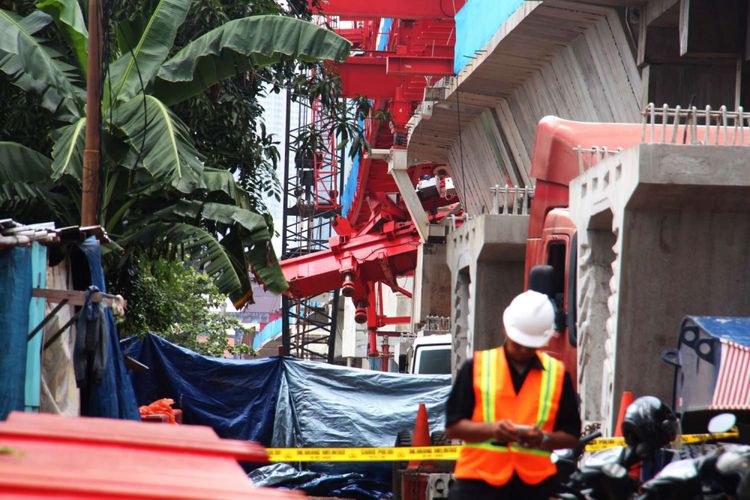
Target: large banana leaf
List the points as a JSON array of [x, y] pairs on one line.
[[132, 71], [264, 262], [24, 182], [35, 67], [69, 18], [240, 44], [163, 142], [250, 233], [67, 152], [200, 246], [246, 237], [254, 224], [220, 180], [21, 164]]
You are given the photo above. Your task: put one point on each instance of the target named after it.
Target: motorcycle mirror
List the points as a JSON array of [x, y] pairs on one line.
[[722, 422], [615, 470]]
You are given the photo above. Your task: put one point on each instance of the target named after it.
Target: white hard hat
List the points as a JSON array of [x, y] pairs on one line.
[[529, 319]]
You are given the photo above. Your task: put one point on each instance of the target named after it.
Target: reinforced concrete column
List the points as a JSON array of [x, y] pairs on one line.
[[486, 260]]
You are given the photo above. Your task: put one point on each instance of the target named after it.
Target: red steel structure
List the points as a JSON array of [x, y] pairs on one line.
[[377, 241], [325, 167]]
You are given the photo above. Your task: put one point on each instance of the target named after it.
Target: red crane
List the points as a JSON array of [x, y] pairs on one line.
[[377, 241]]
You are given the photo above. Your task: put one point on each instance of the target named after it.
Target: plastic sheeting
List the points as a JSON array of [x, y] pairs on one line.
[[324, 405], [59, 392], [114, 397], [476, 23], [236, 398], [36, 315], [351, 485], [285, 402], [15, 295]]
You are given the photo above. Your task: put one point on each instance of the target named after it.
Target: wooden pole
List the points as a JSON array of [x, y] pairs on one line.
[[90, 188]]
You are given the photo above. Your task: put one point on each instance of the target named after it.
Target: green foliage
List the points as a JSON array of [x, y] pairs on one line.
[[154, 162], [173, 300]]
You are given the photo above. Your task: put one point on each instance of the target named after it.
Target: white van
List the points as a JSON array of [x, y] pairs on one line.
[[432, 355]]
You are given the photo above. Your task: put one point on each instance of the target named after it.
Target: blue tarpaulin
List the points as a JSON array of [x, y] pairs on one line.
[[286, 402], [114, 397], [15, 296], [734, 328], [476, 23], [282, 401], [236, 398]]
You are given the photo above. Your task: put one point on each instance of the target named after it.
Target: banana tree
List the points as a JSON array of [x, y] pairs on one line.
[[157, 192]]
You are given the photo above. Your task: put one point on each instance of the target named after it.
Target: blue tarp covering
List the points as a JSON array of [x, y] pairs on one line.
[[114, 397], [349, 485], [281, 401], [236, 398], [286, 402], [476, 23], [15, 296], [736, 329]]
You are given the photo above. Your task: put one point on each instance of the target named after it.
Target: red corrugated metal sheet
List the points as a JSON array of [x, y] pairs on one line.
[[63, 457], [732, 390]]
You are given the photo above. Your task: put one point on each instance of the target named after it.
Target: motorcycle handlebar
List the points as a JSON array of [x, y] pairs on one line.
[[589, 438]]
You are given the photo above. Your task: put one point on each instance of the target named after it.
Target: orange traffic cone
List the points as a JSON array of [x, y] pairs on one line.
[[421, 436], [625, 401]]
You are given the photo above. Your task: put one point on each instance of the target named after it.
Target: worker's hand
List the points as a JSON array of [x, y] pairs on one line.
[[531, 438], [505, 431]]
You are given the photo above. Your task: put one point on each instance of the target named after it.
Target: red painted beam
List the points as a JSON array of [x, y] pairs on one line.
[[366, 76], [365, 256], [395, 320], [399, 9], [378, 77], [419, 65]]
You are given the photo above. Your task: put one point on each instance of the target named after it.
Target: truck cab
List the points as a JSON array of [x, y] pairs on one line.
[[562, 150]]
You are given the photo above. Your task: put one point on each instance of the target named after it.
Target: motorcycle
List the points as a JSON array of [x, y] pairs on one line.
[[650, 425], [721, 474]]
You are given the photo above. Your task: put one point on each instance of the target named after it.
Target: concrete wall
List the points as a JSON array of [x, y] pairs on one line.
[[678, 243], [432, 284], [486, 260]]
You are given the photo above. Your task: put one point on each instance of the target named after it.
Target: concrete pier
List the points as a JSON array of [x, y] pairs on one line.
[[663, 232], [486, 259]]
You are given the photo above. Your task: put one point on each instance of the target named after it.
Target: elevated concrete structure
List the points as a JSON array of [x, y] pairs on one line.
[[561, 58], [432, 286], [486, 260], [663, 232]]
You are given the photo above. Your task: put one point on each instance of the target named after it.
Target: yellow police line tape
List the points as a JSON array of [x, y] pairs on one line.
[[604, 443], [404, 453]]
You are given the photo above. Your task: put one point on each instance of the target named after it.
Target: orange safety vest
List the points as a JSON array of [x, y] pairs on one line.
[[495, 399]]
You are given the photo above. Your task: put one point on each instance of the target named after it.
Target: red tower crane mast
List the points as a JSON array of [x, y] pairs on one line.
[[377, 241]]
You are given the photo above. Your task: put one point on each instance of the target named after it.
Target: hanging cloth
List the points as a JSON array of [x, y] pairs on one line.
[[92, 342]]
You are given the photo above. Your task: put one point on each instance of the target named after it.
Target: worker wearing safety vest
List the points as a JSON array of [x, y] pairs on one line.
[[511, 406]]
